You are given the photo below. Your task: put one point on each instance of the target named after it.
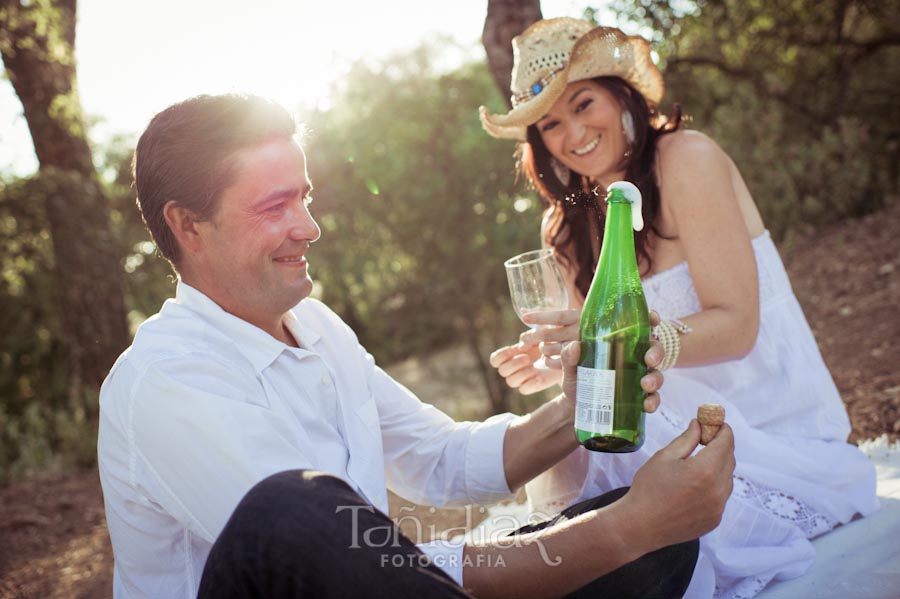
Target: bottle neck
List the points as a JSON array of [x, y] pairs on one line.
[[618, 236]]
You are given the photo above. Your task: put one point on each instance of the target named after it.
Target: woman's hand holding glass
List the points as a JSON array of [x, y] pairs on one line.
[[558, 328], [516, 363], [536, 287]]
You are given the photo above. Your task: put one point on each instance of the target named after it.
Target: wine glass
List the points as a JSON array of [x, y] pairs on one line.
[[536, 284]]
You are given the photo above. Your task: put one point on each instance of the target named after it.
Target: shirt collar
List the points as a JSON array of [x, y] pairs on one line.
[[305, 336], [258, 346]]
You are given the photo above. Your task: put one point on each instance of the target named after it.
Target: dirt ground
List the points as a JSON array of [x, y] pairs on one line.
[[53, 540]]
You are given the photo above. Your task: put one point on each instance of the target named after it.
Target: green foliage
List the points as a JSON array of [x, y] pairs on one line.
[[43, 20], [44, 420], [416, 208], [802, 95], [47, 421]]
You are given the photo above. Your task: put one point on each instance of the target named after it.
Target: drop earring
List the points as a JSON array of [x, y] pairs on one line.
[[561, 171], [628, 132], [628, 127]]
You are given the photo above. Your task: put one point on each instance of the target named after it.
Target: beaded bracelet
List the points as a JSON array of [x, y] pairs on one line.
[[681, 327], [669, 333]]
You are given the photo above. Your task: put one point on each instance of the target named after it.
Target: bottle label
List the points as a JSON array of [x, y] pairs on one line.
[[595, 391]]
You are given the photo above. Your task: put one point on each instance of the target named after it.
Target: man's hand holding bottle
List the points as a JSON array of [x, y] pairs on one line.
[[679, 496], [515, 363]]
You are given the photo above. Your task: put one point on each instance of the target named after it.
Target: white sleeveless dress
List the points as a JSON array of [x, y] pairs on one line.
[[796, 475]]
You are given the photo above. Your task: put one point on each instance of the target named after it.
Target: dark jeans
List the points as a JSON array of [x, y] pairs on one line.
[[661, 574], [306, 534]]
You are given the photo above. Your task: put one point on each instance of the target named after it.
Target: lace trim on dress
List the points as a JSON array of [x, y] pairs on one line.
[[745, 588], [786, 507]]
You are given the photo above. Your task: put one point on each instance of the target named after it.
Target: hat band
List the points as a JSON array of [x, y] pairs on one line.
[[536, 87]]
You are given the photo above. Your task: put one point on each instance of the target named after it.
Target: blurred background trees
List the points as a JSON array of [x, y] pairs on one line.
[[803, 95], [418, 207], [63, 302], [418, 211], [38, 49]]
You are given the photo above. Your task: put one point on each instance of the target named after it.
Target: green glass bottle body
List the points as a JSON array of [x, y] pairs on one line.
[[615, 335]]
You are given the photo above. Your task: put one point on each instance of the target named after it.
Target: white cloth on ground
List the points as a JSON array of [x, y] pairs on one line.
[[860, 559]]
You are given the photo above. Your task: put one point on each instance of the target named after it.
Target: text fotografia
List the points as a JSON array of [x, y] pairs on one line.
[[454, 560], [501, 536]]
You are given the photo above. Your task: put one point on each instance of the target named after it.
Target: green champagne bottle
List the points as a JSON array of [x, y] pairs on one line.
[[615, 335]]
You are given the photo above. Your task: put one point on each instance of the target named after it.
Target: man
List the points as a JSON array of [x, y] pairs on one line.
[[218, 423]]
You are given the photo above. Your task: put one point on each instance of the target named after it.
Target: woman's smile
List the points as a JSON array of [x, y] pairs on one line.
[[587, 149]]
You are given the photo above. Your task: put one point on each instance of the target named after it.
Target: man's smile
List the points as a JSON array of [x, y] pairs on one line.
[[293, 260]]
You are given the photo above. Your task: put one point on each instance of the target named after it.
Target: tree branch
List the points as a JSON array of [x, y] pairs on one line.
[[744, 75]]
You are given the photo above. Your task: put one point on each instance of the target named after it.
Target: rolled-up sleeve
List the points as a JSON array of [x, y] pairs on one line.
[[485, 474], [431, 459]]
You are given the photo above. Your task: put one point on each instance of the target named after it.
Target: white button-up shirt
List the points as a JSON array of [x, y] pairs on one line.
[[204, 405]]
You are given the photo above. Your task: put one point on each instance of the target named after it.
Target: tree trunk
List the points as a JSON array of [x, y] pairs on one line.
[[37, 43], [506, 19]]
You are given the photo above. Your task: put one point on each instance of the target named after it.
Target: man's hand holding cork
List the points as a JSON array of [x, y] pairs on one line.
[[711, 417]]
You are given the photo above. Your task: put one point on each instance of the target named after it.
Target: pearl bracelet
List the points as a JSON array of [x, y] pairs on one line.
[[669, 333], [681, 327]]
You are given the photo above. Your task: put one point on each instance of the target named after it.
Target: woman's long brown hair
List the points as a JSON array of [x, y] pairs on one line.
[[575, 204]]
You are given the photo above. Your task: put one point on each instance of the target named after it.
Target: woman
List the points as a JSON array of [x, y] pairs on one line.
[[584, 109]]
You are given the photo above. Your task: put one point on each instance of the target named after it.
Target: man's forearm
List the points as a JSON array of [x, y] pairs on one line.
[[558, 559], [535, 442]]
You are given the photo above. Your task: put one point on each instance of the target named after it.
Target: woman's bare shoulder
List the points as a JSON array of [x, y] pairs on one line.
[[685, 155], [686, 145]]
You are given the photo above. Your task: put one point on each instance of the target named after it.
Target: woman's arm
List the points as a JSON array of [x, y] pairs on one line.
[[699, 199]]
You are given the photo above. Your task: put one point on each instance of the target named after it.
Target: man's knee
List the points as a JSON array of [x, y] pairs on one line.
[[299, 481], [293, 488], [681, 555], [595, 503], [675, 564], [292, 500], [662, 573]]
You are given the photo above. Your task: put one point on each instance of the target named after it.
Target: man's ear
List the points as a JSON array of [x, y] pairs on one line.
[[183, 224]]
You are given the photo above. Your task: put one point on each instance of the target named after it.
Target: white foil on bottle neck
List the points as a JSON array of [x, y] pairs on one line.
[[633, 195]]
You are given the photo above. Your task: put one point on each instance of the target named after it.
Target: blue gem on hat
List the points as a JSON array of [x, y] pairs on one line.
[[537, 87]]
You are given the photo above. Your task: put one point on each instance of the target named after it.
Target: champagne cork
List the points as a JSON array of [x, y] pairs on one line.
[[711, 417]]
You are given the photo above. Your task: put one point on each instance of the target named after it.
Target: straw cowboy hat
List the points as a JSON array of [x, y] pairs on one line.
[[555, 52]]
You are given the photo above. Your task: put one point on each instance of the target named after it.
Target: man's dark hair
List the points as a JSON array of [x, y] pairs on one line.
[[187, 155]]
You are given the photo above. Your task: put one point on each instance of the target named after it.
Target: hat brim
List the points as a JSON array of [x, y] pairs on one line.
[[639, 71], [514, 123]]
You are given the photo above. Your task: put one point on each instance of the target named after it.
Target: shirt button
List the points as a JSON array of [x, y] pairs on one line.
[[325, 379]]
